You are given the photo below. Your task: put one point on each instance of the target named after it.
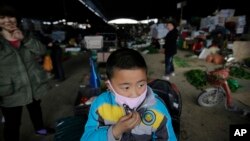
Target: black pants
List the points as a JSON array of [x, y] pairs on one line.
[[155, 42], [13, 116], [56, 57]]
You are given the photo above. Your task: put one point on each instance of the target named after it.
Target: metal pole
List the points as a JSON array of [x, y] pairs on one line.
[[181, 14]]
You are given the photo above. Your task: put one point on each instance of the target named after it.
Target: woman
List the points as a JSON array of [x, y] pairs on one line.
[[22, 80]]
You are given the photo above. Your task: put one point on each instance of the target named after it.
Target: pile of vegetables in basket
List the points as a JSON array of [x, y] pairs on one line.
[[196, 77]]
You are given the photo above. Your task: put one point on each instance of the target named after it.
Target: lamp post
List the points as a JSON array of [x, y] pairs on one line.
[[180, 5]]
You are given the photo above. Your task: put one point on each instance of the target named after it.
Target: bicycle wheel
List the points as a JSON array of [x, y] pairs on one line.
[[210, 97]]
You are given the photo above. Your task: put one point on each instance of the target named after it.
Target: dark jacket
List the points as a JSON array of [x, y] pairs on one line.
[[170, 45], [22, 79]]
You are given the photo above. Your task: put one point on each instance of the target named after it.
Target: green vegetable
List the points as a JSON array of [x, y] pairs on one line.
[[180, 62], [196, 77], [233, 84], [239, 73], [151, 49]]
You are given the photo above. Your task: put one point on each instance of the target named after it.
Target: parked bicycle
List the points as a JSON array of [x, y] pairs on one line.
[[220, 89]]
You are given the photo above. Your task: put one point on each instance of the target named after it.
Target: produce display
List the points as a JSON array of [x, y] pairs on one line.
[[239, 73], [196, 77]]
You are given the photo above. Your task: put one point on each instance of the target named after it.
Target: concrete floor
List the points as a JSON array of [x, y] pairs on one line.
[[202, 123], [197, 123]]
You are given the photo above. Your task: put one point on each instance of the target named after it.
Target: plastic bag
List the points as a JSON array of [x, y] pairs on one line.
[[47, 63], [233, 84]]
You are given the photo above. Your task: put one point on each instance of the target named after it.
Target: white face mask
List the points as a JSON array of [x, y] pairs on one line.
[[131, 102]]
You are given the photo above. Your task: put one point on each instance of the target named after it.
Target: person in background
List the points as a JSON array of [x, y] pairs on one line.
[[23, 81], [198, 46], [129, 110], [56, 56], [154, 33], [170, 48], [56, 53], [158, 32], [218, 40]]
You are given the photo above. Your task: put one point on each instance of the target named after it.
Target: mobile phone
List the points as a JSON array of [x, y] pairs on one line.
[[127, 109]]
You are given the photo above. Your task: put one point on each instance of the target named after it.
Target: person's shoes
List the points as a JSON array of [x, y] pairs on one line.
[[165, 77], [42, 132], [173, 74], [45, 131]]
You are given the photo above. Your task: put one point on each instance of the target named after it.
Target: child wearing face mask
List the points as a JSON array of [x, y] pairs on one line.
[[129, 110]]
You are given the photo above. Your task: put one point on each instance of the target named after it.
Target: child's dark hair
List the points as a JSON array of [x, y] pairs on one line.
[[124, 58]]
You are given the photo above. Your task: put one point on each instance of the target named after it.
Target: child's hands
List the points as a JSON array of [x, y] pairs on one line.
[[13, 34], [126, 123], [17, 34]]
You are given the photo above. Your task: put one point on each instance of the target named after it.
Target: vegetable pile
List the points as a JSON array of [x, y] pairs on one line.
[[196, 77], [180, 62], [239, 73]]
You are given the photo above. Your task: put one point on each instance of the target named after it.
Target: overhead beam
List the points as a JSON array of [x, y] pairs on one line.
[[92, 7]]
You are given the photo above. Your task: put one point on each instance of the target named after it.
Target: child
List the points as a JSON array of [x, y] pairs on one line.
[[129, 110]]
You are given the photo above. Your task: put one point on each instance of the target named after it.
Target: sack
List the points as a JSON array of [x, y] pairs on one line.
[[47, 63]]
